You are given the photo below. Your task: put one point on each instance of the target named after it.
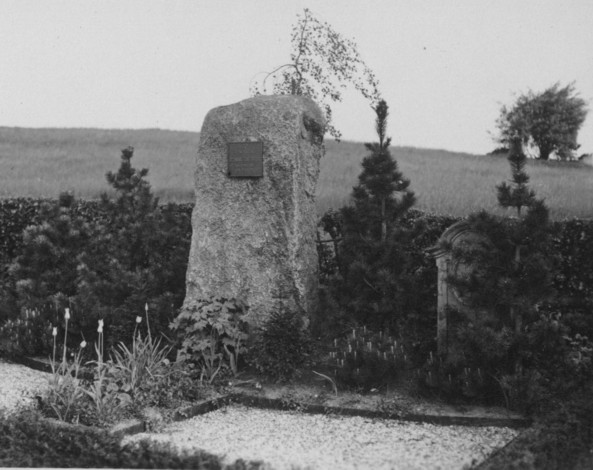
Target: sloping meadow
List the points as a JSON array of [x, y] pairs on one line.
[[41, 163]]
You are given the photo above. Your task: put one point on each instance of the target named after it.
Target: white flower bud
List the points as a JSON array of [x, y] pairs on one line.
[[54, 331], [138, 319], [67, 314]]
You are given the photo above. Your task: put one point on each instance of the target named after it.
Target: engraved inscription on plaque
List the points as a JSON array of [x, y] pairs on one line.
[[246, 159]]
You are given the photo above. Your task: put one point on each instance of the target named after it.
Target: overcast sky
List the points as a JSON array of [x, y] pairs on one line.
[[444, 66]]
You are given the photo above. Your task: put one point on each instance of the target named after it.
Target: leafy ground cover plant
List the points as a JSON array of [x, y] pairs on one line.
[[170, 390], [212, 336]]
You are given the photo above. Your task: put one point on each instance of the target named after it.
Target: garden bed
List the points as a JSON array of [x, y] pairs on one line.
[[310, 396], [332, 431]]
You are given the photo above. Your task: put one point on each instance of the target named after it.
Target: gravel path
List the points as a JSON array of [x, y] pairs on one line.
[[287, 440], [284, 440], [19, 385]]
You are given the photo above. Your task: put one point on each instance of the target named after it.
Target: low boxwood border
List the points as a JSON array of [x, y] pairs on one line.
[[28, 440], [560, 438]]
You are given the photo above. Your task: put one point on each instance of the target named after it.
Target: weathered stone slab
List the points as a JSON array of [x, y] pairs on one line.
[[254, 238], [457, 236]]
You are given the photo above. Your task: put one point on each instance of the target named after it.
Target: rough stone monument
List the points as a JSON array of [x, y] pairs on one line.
[[254, 220], [457, 235]]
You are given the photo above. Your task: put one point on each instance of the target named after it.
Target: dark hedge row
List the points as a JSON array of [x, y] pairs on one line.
[[560, 438], [573, 239], [26, 440], [17, 214], [573, 242]]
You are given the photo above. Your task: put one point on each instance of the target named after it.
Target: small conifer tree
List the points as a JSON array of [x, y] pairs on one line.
[[46, 268], [371, 254], [138, 255], [529, 235], [519, 195], [382, 194], [108, 262], [509, 277], [513, 273]]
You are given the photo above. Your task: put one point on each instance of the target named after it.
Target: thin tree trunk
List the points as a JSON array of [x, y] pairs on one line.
[[517, 316], [544, 152], [383, 222]]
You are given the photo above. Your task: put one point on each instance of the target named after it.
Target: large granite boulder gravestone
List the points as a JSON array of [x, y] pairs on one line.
[[254, 221]]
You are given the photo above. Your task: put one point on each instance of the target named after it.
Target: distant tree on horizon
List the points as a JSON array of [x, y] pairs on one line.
[[549, 121]]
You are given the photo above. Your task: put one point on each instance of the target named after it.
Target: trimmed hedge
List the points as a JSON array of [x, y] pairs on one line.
[[17, 214], [561, 438], [27, 440], [91, 259], [573, 239]]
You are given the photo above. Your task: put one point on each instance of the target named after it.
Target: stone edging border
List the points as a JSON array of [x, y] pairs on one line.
[[444, 420], [279, 404], [41, 366], [134, 426], [496, 452]]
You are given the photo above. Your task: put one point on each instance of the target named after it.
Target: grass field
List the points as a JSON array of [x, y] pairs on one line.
[[44, 162]]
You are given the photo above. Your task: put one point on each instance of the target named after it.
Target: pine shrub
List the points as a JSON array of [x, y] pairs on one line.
[[511, 277], [109, 261], [375, 283], [282, 347]]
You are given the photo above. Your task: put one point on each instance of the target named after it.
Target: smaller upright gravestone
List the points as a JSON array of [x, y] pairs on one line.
[[458, 235], [254, 221]]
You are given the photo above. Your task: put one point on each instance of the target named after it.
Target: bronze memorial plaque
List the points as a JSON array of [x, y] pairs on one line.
[[246, 159]]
